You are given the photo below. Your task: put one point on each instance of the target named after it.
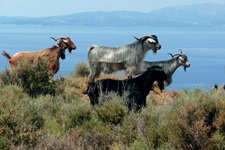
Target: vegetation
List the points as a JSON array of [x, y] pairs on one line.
[[38, 112]]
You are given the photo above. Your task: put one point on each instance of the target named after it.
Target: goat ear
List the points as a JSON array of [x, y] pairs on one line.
[[180, 51]]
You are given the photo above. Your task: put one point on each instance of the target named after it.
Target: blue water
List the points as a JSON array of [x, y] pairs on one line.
[[205, 48]]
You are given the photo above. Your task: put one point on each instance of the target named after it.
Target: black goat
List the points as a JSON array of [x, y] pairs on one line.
[[169, 66], [136, 88], [216, 86]]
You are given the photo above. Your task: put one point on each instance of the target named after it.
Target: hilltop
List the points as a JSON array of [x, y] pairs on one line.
[[196, 15]]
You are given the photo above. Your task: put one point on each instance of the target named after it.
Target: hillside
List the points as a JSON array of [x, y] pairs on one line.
[[207, 14], [42, 113]]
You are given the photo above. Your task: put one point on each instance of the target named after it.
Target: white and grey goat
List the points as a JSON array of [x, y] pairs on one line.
[[127, 57]]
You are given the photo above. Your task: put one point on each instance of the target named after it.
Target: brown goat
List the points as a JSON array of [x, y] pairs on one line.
[[52, 54]]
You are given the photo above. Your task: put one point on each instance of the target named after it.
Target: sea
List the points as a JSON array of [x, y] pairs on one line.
[[204, 47]]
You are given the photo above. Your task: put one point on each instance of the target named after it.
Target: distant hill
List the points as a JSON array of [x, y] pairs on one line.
[[206, 14]]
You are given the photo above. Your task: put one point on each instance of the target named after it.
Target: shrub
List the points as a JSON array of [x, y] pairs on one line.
[[52, 142], [81, 70], [34, 79], [195, 122], [5, 77], [20, 121], [140, 145], [4, 143], [93, 134], [79, 114], [150, 129], [112, 111], [126, 132]]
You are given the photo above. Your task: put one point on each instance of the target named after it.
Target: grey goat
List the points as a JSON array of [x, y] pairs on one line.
[[127, 57], [169, 66]]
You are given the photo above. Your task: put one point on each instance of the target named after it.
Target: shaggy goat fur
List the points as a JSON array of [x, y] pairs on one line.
[[52, 54], [137, 88], [128, 56]]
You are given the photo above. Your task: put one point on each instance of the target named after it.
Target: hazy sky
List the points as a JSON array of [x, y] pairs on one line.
[[41, 8]]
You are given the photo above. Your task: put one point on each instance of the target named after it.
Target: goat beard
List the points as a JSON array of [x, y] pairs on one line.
[[155, 50], [63, 55], [185, 68]]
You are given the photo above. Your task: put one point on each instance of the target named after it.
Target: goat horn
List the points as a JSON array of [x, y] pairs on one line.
[[53, 38], [56, 39], [136, 38], [178, 55], [181, 54], [146, 36], [171, 55], [143, 37]]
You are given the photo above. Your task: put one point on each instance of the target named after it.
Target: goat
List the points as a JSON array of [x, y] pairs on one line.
[[128, 57], [52, 54], [169, 66], [137, 88], [216, 86]]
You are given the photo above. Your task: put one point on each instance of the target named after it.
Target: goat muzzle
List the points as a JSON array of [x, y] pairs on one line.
[[72, 48], [186, 66], [158, 46]]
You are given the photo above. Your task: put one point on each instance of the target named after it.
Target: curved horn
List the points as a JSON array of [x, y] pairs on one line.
[[136, 38], [53, 38], [146, 36], [59, 38], [177, 55], [171, 55], [181, 54]]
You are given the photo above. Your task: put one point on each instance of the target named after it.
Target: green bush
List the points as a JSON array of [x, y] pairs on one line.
[[78, 114], [20, 120], [127, 132], [33, 78], [196, 122], [94, 134], [149, 126], [4, 143], [112, 111], [5, 77]]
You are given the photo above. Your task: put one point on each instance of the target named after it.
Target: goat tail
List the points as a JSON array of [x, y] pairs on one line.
[[6, 55]]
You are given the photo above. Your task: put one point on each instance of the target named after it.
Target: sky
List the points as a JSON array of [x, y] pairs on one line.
[[44, 8]]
